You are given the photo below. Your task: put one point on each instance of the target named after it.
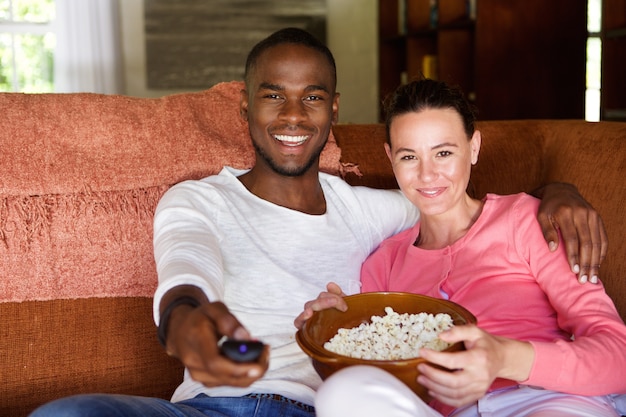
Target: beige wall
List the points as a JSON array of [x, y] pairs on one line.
[[352, 29], [353, 38]]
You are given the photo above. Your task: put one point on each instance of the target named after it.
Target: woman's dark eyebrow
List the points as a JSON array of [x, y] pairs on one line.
[[443, 145], [400, 150]]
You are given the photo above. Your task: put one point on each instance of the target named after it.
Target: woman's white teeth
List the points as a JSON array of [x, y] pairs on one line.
[[291, 140]]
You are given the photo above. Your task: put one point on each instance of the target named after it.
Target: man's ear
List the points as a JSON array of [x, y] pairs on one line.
[[335, 109], [243, 105]]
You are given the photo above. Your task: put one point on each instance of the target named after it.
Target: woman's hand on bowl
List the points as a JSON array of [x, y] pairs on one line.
[[331, 298], [485, 358]]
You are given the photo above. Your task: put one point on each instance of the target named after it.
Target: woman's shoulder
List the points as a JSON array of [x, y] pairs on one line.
[[519, 201], [510, 211]]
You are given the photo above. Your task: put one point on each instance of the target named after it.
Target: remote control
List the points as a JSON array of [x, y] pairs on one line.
[[242, 350]]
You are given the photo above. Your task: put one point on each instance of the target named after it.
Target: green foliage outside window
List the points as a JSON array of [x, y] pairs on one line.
[[27, 54], [35, 11]]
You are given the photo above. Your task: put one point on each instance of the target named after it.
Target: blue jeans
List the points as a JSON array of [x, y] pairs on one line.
[[107, 405]]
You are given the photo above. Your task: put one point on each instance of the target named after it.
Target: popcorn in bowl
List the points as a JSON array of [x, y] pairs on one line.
[[393, 336]]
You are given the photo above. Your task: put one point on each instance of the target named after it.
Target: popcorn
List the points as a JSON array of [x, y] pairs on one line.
[[392, 336]]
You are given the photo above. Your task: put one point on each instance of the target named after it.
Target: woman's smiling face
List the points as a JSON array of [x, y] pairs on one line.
[[431, 157]]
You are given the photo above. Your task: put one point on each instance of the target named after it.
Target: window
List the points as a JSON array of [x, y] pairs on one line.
[[27, 43], [594, 58]]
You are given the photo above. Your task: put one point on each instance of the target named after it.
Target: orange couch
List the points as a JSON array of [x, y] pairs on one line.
[[82, 173]]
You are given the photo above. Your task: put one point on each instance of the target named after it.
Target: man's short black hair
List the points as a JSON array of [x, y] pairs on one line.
[[285, 36]]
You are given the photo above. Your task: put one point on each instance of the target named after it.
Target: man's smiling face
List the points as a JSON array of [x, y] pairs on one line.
[[290, 106]]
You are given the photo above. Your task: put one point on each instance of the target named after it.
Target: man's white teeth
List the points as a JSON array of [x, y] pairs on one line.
[[291, 140]]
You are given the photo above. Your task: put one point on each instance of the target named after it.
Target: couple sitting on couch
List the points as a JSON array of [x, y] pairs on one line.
[[240, 252]]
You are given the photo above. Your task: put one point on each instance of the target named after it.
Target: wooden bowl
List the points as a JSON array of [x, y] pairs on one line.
[[323, 325]]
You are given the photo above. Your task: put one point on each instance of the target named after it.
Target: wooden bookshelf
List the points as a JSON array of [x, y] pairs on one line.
[[517, 59]]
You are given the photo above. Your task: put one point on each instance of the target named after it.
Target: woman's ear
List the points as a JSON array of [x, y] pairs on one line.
[[475, 143], [388, 152]]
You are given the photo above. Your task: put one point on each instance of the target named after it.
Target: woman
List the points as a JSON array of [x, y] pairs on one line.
[[544, 345]]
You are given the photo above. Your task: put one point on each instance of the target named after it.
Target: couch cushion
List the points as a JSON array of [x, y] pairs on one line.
[[57, 348]]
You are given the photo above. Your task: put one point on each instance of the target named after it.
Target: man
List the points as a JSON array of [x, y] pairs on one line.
[[239, 253]]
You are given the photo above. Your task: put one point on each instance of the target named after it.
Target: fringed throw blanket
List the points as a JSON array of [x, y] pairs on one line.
[[81, 175]]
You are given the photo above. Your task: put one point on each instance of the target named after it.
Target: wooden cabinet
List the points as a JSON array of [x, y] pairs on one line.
[[613, 85], [516, 59]]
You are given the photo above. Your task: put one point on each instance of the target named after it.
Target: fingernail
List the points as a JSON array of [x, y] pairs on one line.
[[582, 279], [240, 333], [254, 373], [576, 269], [552, 246], [594, 279]]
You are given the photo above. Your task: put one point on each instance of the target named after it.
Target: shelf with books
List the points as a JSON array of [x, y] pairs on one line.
[[514, 58], [425, 38]]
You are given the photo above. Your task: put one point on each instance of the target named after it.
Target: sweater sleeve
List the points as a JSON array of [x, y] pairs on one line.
[[186, 243], [592, 361]]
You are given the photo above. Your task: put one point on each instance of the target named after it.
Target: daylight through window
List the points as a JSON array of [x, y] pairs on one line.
[[27, 43], [594, 58]]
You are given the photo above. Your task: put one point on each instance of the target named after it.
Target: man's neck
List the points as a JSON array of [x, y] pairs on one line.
[[302, 193]]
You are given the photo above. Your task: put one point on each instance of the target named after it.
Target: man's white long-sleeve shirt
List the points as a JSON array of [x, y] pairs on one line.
[[265, 261]]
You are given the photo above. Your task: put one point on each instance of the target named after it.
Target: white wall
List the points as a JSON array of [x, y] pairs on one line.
[[352, 36]]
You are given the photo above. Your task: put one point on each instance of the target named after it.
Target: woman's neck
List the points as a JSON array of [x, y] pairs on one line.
[[442, 230]]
